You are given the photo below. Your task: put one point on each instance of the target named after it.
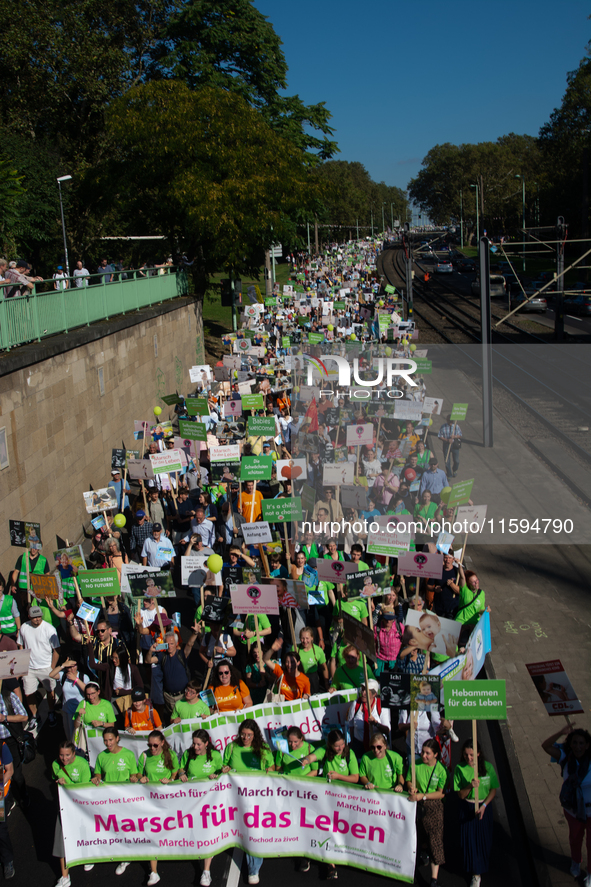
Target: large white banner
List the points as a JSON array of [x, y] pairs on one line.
[[324, 709], [265, 816]]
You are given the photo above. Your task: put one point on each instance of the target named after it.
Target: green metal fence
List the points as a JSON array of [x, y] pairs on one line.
[[37, 315]]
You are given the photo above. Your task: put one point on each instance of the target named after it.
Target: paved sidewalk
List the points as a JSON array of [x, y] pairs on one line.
[[539, 598]]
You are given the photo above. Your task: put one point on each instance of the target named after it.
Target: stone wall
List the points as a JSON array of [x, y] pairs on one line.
[[63, 414]]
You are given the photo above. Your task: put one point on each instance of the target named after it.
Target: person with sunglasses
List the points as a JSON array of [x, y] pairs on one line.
[[94, 711], [249, 752], [191, 707], [68, 769], [381, 767], [230, 691], [160, 763]]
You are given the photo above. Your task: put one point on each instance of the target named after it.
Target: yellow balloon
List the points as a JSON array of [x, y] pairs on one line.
[[413, 347], [388, 352], [330, 327], [430, 421], [157, 411], [445, 494]]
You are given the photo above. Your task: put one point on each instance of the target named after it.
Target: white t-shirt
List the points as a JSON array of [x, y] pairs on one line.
[[41, 641], [427, 726], [120, 682], [355, 718], [81, 275], [61, 280]]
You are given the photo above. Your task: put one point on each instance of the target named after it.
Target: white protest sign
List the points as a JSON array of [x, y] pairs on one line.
[[419, 563], [256, 534], [472, 514], [233, 362], [432, 405], [434, 632], [232, 408], [406, 409], [130, 569], [229, 453], [292, 469], [14, 664], [338, 474], [390, 538], [200, 373], [169, 460], [358, 435]]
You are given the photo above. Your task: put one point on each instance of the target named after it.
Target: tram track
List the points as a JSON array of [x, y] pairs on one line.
[[563, 416]]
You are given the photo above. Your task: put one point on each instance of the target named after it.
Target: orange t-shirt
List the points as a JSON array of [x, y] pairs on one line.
[[141, 720], [246, 506], [231, 698], [292, 688]]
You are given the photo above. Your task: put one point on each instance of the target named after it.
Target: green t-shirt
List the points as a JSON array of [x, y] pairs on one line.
[[357, 609], [471, 606], [241, 759], [429, 779], [102, 711], [117, 767], [464, 774], [383, 772], [339, 764], [337, 651], [346, 678], [186, 711], [154, 768], [289, 767], [76, 773], [250, 626], [311, 659], [426, 512], [199, 767]]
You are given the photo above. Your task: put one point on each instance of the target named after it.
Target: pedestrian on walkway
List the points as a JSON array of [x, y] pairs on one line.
[[574, 758], [451, 436], [476, 829]]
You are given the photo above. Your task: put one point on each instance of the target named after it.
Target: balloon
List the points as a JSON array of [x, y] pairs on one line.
[[445, 494], [430, 421], [214, 563], [274, 456], [381, 303], [330, 327], [264, 351], [119, 520], [410, 474], [388, 351], [413, 347], [297, 389], [157, 411], [353, 336]]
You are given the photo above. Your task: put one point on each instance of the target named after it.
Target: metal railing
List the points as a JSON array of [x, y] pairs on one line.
[[45, 311]]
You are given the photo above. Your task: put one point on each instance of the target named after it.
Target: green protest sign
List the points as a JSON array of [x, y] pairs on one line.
[[98, 583], [277, 510], [423, 365], [389, 288], [256, 468], [171, 399], [339, 306], [192, 430], [475, 700], [302, 321], [460, 493], [261, 426], [270, 302], [458, 412], [197, 406], [285, 342], [253, 402], [315, 338], [384, 321]]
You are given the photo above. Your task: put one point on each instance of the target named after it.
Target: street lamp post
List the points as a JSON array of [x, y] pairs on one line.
[[383, 220], [477, 216], [372, 221], [357, 229], [461, 220], [59, 185], [392, 216], [522, 219]]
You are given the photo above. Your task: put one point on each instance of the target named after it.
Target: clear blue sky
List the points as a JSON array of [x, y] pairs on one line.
[[399, 78]]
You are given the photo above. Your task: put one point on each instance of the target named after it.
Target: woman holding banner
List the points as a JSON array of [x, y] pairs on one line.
[[249, 752], [338, 761], [192, 706], [68, 769], [381, 767], [94, 711], [429, 791], [476, 829], [297, 762], [201, 761]]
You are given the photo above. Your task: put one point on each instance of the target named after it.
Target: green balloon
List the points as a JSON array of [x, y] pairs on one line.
[[119, 520]]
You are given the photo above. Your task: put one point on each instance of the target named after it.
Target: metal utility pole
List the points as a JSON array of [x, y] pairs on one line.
[[268, 284], [561, 230], [308, 227], [383, 220], [316, 234], [372, 221], [357, 229], [477, 216], [486, 334], [59, 185], [461, 219]]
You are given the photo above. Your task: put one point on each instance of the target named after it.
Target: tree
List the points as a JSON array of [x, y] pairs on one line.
[[352, 194], [206, 169]]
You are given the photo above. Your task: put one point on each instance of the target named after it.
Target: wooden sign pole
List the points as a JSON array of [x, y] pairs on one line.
[[258, 637], [254, 493], [413, 766], [475, 753]]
